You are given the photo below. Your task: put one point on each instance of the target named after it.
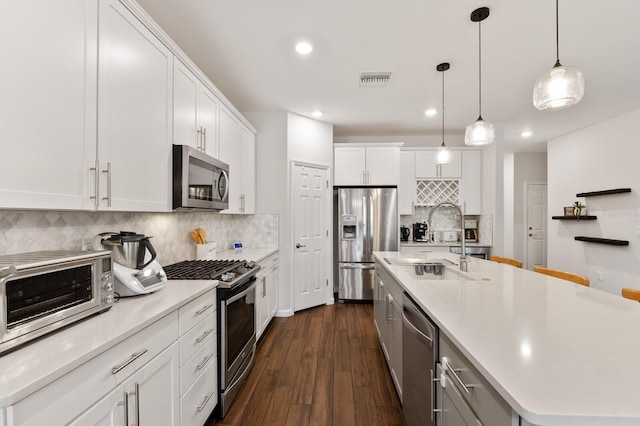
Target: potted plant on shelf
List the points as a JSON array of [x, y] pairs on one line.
[[577, 209]]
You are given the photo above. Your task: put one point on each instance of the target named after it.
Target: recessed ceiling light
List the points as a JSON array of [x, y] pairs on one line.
[[304, 48], [317, 113], [526, 133], [431, 112]]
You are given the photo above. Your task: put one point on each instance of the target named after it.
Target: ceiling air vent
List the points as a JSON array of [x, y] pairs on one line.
[[374, 79]]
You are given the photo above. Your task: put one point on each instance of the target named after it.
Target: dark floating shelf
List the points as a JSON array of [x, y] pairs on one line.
[[606, 192], [603, 241], [574, 218]]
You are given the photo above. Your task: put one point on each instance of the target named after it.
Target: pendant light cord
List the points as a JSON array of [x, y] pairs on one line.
[[479, 71], [557, 38], [443, 108]]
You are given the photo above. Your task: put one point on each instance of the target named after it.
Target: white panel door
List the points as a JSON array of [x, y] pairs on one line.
[[109, 411], [406, 183], [185, 106], [382, 165], [536, 246], [229, 138], [208, 118], [349, 165], [134, 113], [311, 230]]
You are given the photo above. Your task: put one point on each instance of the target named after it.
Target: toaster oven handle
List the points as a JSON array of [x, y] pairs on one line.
[[6, 271]]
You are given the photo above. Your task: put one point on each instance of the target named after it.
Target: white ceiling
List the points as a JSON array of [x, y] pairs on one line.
[[246, 48]]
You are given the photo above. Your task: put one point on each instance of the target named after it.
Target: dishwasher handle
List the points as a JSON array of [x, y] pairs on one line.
[[413, 328]]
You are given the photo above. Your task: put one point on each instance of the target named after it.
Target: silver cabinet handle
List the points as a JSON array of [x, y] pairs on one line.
[[137, 404], [300, 245], [204, 308], [206, 399], [199, 139], [242, 202], [96, 184], [433, 395], [204, 335], [126, 408], [380, 286], [386, 308], [133, 357], [454, 374], [264, 286], [204, 139], [108, 172], [204, 362]]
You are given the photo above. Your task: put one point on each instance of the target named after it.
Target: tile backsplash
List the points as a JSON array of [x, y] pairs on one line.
[[25, 231], [447, 218]]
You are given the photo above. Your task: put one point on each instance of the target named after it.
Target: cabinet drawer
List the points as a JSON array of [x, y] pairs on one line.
[[193, 312], [201, 398], [195, 365], [196, 338], [482, 398], [63, 400]]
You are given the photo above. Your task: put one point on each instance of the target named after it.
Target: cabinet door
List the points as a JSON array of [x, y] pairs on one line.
[[379, 306], [395, 319], [185, 106], [208, 106], [454, 168], [134, 113], [272, 288], [230, 148], [425, 165], [109, 411], [406, 183], [471, 184], [382, 165], [261, 304], [48, 104], [349, 165], [248, 158], [154, 391]]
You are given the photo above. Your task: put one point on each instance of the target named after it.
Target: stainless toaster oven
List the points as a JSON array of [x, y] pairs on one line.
[[43, 291]]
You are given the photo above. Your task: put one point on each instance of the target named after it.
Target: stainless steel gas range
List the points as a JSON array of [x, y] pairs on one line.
[[235, 317]]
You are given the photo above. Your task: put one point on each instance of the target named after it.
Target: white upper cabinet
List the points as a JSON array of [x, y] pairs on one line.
[[426, 167], [471, 183], [366, 165], [134, 114], [406, 183], [237, 149], [48, 104], [195, 112]]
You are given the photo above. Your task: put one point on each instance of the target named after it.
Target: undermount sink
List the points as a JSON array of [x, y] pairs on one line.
[[429, 269], [416, 261]]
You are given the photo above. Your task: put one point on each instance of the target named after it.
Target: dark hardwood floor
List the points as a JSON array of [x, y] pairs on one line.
[[322, 366]]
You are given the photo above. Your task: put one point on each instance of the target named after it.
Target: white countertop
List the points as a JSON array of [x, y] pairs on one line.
[[40, 362], [559, 353], [254, 254], [421, 244]]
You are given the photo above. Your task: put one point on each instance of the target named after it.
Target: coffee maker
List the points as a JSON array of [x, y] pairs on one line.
[[420, 232], [471, 230]]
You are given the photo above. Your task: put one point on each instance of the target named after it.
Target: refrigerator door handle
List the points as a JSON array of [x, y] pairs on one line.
[[357, 266], [365, 224]]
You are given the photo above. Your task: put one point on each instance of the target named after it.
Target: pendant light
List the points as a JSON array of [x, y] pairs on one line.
[[480, 132], [443, 155], [561, 87]]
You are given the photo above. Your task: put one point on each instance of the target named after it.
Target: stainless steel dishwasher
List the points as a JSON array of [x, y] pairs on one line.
[[419, 355]]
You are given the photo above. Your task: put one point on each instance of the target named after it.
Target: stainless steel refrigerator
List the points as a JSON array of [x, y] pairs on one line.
[[366, 221]]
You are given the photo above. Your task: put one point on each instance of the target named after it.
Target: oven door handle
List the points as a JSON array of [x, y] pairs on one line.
[[243, 293]]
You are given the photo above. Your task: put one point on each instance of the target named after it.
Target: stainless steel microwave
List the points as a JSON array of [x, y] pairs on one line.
[[43, 291], [199, 180]]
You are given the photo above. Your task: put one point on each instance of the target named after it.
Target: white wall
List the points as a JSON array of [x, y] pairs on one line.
[[528, 168], [282, 138], [508, 194], [602, 156]]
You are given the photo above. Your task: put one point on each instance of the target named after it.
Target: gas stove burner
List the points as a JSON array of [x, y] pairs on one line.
[[227, 271]]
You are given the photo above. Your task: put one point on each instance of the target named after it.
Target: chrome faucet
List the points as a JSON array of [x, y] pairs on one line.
[[463, 253]]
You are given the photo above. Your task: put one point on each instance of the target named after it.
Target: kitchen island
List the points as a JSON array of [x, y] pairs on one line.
[[558, 353]]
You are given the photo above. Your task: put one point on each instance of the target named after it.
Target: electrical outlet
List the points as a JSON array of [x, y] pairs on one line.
[[600, 275]]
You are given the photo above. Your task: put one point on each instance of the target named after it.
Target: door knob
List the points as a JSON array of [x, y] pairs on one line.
[[300, 245]]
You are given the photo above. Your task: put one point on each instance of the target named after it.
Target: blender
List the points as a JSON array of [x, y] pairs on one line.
[[135, 267]]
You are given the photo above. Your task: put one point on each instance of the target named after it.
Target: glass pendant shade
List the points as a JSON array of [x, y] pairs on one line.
[[559, 88], [443, 155], [479, 133]]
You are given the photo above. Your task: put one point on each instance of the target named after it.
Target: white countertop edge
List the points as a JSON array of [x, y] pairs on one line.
[[247, 253], [57, 369], [534, 417]]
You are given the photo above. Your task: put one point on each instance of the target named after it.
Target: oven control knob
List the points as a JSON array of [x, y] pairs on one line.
[[108, 299], [107, 286]]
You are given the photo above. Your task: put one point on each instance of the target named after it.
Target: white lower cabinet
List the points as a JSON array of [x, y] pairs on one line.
[[198, 360], [266, 293], [387, 312]]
